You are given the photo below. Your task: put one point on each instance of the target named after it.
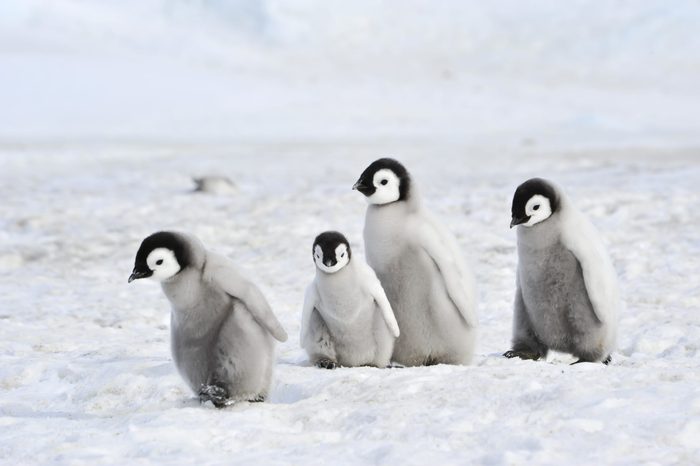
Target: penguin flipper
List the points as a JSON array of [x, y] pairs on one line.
[[581, 238], [222, 272], [310, 300], [374, 287], [453, 274]]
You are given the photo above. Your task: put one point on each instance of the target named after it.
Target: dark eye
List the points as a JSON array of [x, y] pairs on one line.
[[159, 262], [342, 255], [536, 207], [384, 182]]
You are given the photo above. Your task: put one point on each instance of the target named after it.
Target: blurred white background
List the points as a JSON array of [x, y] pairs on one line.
[[541, 73]]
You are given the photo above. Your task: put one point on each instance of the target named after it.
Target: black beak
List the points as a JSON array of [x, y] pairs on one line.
[[517, 221], [136, 274], [363, 188], [329, 263]]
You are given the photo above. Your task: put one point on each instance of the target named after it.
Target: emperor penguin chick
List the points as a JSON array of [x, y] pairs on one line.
[[421, 269], [566, 296], [222, 328], [347, 319]]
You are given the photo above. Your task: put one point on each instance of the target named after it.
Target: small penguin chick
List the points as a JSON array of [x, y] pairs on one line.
[[222, 328], [566, 295], [420, 267], [347, 319], [534, 201], [214, 184]]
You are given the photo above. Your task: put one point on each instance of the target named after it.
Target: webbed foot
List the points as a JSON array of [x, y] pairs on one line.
[[325, 363], [522, 355], [217, 394], [605, 361]]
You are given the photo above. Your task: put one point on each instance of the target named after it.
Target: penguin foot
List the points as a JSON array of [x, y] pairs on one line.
[[522, 355], [257, 399], [325, 363], [216, 394], [605, 361], [395, 365]]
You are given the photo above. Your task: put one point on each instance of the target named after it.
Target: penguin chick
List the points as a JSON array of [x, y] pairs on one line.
[[566, 295], [421, 269], [214, 184], [347, 319], [222, 328]]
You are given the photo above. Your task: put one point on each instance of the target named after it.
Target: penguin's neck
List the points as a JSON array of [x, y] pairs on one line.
[[542, 235], [339, 293], [338, 278], [395, 212], [184, 289]]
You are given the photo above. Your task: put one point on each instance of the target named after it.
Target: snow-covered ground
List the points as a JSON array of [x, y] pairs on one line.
[[86, 374], [108, 108]]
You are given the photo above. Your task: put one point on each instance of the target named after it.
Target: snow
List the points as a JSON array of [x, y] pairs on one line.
[[86, 373], [213, 70], [107, 109]]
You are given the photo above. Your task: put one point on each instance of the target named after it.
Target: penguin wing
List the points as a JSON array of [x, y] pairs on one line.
[[583, 240], [310, 301], [443, 250], [220, 271], [374, 287]]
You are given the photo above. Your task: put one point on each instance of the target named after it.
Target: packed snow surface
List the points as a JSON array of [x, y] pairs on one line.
[[86, 374], [108, 109]]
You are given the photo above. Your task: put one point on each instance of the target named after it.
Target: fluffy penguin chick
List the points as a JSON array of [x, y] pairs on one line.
[[222, 327], [421, 269], [347, 319], [566, 295], [214, 184]]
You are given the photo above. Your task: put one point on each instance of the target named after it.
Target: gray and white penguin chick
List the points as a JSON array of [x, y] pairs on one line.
[[566, 295], [214, 184], [222, 328], [419, 264], [347, 319]]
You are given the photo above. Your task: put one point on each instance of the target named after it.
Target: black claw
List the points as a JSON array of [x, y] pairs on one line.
[[607, 360], [325, 363], [216, 394], [521, 354]]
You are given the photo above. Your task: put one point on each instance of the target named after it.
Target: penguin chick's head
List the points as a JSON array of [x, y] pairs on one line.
[[534, 201], [160, 257], [384, 181], [331, 251]]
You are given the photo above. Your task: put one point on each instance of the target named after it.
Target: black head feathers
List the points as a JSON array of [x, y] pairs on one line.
[[328, 241], [162, 239], [365, 184], [524, 193]]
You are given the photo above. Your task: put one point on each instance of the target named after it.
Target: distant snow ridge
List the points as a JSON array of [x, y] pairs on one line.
[[582, 71], [613, 42]]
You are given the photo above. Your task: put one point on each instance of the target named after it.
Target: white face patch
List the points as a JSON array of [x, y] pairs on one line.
[[387, 187], [341, 257], [163, 263], [538, 209]]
